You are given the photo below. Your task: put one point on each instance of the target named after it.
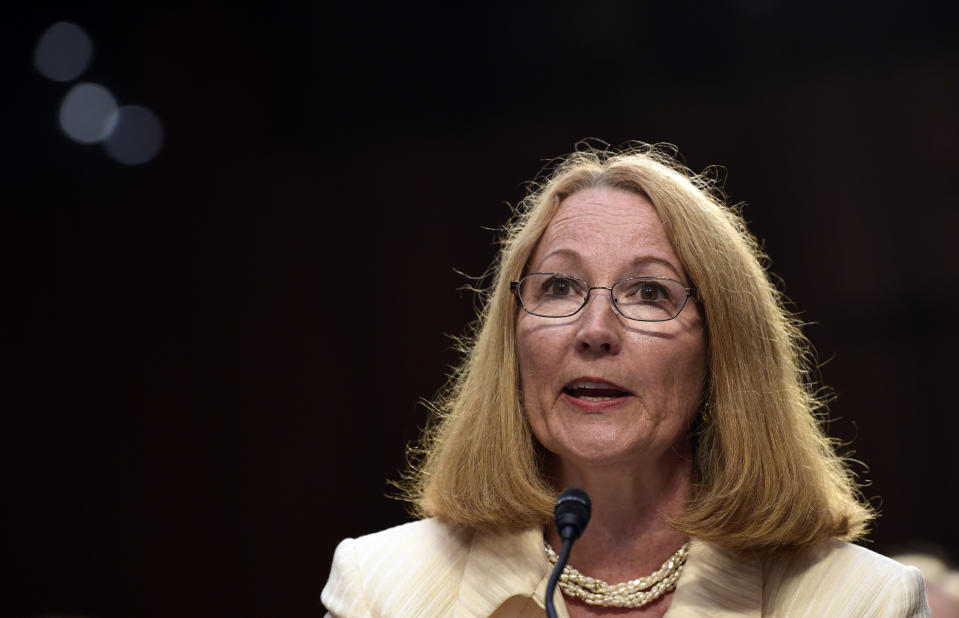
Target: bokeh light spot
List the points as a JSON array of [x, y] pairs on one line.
[[137, 135], [88, 113], [63, 52]]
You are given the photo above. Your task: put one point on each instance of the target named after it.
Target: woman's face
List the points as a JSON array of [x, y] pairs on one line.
[[598, 388]]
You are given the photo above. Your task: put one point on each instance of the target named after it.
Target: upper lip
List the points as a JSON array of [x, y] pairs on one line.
[[594, 382]]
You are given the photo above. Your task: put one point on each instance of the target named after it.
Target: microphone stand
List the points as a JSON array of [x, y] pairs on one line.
[[572, 513], [557, 571]]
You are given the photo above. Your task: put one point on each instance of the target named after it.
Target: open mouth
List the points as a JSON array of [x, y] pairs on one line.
[[594, 391]]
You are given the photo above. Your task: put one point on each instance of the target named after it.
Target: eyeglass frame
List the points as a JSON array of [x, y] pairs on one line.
[[515, 285]]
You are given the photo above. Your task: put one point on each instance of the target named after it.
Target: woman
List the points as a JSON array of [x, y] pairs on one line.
[[631, 345]]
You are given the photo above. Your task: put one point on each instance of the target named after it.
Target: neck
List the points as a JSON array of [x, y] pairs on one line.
[[627, 536]]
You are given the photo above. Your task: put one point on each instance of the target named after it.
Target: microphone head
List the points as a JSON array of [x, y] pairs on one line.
[[572, 513]]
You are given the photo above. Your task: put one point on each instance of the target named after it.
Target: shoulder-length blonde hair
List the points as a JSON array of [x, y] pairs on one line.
[[765, 475]]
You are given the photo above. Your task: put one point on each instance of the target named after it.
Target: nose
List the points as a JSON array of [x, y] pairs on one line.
[[600, 332]]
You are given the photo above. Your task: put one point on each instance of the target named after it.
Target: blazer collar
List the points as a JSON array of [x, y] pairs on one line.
[[501, 566], [716, 582]]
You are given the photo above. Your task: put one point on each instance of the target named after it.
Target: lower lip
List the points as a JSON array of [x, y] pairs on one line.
[[595, 406]]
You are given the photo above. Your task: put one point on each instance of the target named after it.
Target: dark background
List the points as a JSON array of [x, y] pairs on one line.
[[200, 398]]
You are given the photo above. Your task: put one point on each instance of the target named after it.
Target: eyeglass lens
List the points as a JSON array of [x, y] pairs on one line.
[[557, 295]]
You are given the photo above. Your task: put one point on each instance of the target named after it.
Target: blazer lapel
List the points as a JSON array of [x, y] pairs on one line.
[[716, 582], [500, 566]]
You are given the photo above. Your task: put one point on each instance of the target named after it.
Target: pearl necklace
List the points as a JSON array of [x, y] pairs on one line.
[[634, 593]]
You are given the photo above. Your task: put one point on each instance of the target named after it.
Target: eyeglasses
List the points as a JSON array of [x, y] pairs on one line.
[[646, 299]]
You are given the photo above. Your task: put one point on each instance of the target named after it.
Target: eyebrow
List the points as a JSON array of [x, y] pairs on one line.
[[639, 261]]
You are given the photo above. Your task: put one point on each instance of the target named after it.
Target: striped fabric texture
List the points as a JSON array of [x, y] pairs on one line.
[[431, 569]]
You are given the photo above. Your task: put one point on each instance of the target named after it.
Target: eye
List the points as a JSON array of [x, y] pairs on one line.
[[558, 286], [650, 291]]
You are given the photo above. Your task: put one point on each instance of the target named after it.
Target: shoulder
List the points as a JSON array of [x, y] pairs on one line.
[[418, 558], [840, 579]]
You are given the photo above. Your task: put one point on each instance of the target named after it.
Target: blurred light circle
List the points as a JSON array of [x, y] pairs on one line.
[[88, 113], [63, 52], [136, 137]]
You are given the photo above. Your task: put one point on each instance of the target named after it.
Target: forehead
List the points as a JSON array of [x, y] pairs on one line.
[[606, 228]]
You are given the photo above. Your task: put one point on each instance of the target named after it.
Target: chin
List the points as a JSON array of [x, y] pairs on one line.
[[596, 450], [612, 446]]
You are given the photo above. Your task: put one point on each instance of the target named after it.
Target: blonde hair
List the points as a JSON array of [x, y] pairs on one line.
[[764, 474]]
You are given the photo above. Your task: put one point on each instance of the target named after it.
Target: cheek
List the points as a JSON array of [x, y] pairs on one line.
[[672, 374], [534, 351], [527, 367], [689, 360], [689, 374], [698, 361]]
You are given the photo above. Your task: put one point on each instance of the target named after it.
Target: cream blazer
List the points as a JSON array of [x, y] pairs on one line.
[[431, 569]]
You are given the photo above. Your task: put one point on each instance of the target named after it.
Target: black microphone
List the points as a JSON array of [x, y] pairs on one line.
[[572, 514]]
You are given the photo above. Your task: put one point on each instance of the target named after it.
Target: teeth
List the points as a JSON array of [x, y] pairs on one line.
[[588, 385], [594, 391]]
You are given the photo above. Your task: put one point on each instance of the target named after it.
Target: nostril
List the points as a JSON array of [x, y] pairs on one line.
[[586, 346]]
